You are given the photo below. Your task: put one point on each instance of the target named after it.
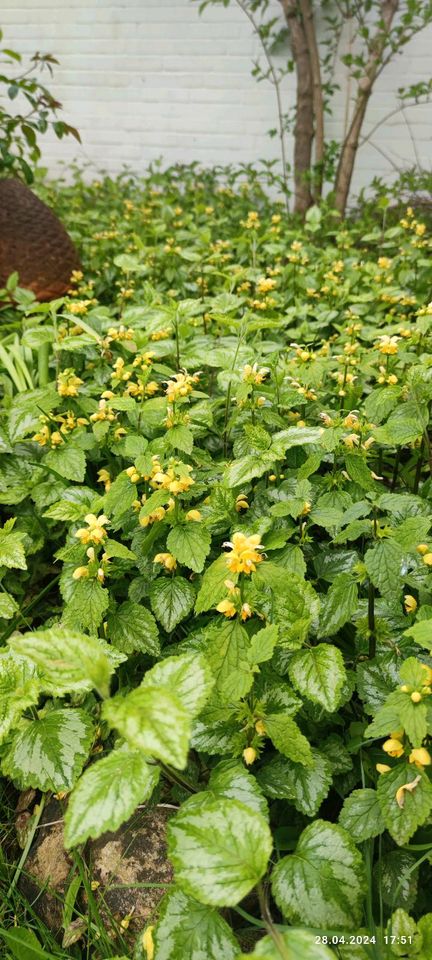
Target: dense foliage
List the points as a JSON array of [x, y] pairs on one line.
[[215, 560]]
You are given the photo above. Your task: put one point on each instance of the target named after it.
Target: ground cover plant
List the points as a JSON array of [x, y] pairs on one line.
[[216, 559]]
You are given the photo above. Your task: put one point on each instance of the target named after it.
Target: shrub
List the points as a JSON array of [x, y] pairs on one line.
[[216, 559]]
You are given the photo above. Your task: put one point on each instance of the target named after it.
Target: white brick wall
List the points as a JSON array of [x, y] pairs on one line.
[[143, 79]]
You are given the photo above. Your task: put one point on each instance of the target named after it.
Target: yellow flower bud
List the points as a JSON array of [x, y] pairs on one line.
[[393, 748], [421, 757], [382, 767], [79, 573], [148, 942], [193, 515], [427, 559], [249, 756], [410, 603], [416, 696], [260, 728], [405, 688], [422, 548]]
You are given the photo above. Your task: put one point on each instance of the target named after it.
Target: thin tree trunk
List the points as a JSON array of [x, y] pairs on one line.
[[304, 125], [317, 92], [365, 86]]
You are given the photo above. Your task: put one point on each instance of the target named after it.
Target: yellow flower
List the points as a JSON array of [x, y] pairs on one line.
[[421, 757], [180, 386], [260, 728], [43, 436], [387, 345], [384, 263], [80, 572], [104, 477], [227, 608], [427, 559], [133, 474], [193, 515], [243, 556], [251, 374], [428, 671], [148, 942], [246, 611], [422, 548], [393, 747], [68, 383], [249, 756], [416, 696], [410, 603], [382, 767], [167, 560], [241, 502], [409, 787], [94, 532], [265, 284]]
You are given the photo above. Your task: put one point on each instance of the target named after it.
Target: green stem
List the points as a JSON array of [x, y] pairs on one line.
[[371, 620], [43, 364], [419, 466], [178, 779], [269, 924], [29, 841]]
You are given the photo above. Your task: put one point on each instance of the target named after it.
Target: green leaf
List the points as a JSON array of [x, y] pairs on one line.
[[298, 944], [231, 780], [66, 510], [383, 564], [404, 929], [132, 627], [263, 644], [287, 737], [421, 632], [26, 408], [120, 496], [180, 438], [339, 605], [69, 461], [213, 587], [118, 551], [323, 882], [319, 675], [411, 531], [50, 753], [424, 927], [87, 605], [107, 794], [400, 711], [219, 851], [157, 499], [190, 929], [189, 543], [188, 676], [305, 787], [11, 548], [402, 822], [359, 471], [171, 598], [8, 606], [67, 661], [397, 874], [361, 815], [227, 648], [19, 688], [24, 944], [154, 720]]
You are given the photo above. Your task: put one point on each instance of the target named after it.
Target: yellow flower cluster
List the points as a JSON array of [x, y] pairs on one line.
[[161, 334], [180, 385], [426, 553], [232, 604], [95, 531], [104, 477], [68, 383], [104, 412], [387, 345], [251, 374], [94, 567], [119, 333], [243, 555], [252, 221], [167, 560], [79, 307], [265, 284]]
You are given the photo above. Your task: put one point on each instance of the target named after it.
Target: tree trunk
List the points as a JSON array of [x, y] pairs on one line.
[[348, 155], [304, 125], [318, 99]]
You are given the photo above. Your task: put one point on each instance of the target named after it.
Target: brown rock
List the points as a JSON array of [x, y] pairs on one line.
[[34, 243], [118, 863], [135, 854]]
